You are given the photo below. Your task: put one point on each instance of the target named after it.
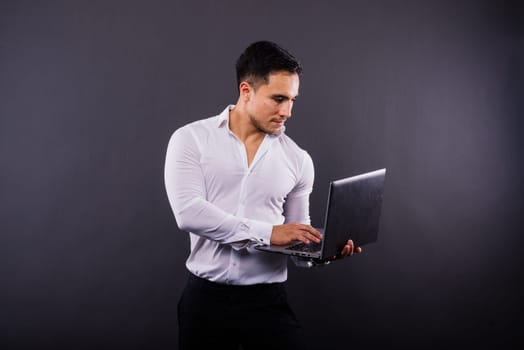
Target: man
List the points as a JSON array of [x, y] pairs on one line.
[[235, 180]]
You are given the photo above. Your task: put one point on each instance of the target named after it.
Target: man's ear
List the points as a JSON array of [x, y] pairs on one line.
[[245, 91]]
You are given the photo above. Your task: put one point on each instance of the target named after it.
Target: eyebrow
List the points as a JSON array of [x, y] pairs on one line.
[[284, 97]]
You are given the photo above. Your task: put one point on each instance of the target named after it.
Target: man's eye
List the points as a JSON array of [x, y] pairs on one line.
[[279, 99]]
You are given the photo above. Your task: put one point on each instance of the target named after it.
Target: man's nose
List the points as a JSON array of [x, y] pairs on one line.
[[285, 109]]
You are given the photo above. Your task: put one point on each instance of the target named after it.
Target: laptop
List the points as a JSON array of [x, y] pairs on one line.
[[353, 212]]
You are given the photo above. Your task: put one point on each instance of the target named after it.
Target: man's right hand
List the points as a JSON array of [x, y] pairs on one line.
[[292, 232]]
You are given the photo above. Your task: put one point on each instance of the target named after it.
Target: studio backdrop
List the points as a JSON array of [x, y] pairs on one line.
[[91, 91]]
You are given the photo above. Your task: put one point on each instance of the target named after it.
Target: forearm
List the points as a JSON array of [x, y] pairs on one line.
[[205, 219]]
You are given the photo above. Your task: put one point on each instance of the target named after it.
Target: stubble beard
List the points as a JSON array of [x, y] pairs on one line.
[[261, 128]]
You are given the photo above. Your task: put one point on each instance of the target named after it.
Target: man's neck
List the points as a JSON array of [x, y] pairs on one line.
[[241, 126]]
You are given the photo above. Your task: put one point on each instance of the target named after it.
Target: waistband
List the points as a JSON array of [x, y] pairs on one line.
[[202, 282]]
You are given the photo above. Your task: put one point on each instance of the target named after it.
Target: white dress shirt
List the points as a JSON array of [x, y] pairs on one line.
[[223, 203]]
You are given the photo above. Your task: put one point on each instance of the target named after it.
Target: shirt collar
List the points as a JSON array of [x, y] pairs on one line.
[[223, 120]]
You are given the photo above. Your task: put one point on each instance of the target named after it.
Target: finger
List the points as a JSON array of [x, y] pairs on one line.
[[312, 231], [311, 234], [314, 238], [303, 239], [310, 237], [353, 248], [352, 245], [349, 247], [307, 238]]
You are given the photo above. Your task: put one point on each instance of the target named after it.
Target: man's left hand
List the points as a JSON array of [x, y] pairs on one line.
[[349, 249]]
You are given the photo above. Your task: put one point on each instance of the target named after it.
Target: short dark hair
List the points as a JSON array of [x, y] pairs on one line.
[[262, 58]]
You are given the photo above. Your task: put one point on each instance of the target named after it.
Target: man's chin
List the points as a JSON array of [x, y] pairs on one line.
[[276, 131], [269, 131], [272, 130]]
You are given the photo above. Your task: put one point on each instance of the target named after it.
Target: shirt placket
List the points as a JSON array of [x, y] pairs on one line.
[[233, 272]]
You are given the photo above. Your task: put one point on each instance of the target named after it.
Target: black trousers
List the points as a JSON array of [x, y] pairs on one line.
[[213, 315]]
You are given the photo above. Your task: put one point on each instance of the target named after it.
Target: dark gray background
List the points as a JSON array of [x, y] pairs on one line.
[[91, 91]]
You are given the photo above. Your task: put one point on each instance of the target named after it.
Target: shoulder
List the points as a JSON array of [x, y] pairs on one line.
[[290, 146], [199, 129], [293, 151], [198, 126]]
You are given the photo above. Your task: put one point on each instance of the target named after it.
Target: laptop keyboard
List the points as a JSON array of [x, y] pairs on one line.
[[302, 247]]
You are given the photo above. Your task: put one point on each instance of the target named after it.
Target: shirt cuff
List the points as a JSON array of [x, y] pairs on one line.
[[259, 231]]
